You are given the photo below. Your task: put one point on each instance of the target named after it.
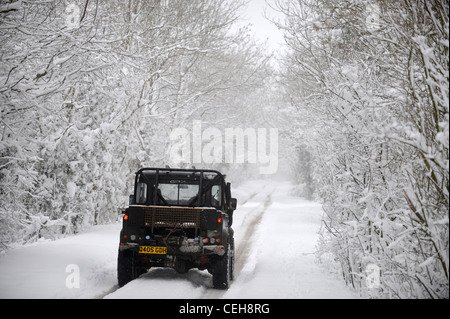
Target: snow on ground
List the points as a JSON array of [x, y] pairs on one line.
[[39, 270], [282, 262], [275, 236]]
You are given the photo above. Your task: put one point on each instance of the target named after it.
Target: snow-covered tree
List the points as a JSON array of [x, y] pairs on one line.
[[89, 93], [369, 81]]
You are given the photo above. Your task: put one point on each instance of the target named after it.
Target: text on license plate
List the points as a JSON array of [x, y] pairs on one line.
[[152, 250]]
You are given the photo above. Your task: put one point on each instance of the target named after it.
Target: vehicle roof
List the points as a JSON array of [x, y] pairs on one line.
[[193, 174]]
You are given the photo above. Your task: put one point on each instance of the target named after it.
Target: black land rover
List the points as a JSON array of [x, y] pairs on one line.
[[179, 218]]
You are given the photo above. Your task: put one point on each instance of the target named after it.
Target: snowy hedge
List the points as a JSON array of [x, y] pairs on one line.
[[370, 84]]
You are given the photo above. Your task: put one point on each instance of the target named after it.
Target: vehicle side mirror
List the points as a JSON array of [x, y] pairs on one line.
[[233, 203], [131, 199]]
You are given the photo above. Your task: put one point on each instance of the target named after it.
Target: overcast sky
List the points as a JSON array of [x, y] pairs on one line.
[[261, 27]]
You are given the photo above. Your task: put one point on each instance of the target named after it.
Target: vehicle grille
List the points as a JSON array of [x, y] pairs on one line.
[[172, 217]]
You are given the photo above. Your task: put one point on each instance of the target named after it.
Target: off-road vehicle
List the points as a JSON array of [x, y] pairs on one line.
[[178, 218]]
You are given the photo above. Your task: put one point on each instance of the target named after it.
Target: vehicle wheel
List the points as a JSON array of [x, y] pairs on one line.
[[181, 266], [223, 269], [126, 270]]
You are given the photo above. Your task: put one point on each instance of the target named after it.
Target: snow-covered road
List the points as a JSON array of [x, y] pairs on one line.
[[275, 236]]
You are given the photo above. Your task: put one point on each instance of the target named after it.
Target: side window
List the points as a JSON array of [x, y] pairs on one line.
[[141, 193], [216, 196]]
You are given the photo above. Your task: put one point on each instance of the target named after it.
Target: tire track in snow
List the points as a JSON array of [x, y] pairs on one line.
[[244, 249], [250, 198], [244, 246], [104, 294]]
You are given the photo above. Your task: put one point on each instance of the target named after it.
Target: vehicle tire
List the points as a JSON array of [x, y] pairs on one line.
[[232, 260], [126, 271], [181, 266], [223, 269]]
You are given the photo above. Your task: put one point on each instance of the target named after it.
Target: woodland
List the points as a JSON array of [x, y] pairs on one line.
[[90, 91]]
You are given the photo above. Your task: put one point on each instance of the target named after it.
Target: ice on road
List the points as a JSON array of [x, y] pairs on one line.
[[275, 235]]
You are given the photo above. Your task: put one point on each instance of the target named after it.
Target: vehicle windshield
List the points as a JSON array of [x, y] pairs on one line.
[[178, 194], [180, 190]]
